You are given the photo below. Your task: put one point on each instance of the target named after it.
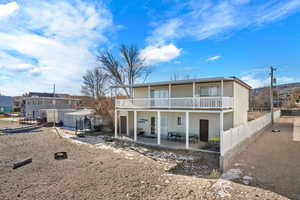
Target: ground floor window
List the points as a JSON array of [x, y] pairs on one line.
[[179, 120]]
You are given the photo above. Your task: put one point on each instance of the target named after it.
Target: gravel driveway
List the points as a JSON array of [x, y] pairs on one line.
[[91, 172], [273, 160]]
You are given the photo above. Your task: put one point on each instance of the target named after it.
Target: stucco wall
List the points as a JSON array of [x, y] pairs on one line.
[[186, 90], [169, 122], [141, 92], [182, 90], [241, 104]]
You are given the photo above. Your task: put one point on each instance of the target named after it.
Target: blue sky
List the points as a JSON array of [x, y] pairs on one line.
[[46, 42]]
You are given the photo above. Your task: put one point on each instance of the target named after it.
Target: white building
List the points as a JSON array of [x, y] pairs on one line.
[[185, 113]]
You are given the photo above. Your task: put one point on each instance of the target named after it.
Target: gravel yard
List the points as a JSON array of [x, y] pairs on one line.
[[110, 170], [273, 160]]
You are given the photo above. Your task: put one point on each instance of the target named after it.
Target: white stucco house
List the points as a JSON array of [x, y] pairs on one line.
[[184, 113]]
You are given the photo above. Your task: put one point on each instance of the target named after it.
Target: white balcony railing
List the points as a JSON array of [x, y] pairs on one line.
[[184, 102]]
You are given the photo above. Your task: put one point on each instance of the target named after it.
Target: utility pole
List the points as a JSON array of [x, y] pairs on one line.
[[54, 101], [272, 80]]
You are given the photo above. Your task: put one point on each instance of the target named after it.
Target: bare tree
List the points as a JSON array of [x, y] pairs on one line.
[[126, 70], [95, 83]]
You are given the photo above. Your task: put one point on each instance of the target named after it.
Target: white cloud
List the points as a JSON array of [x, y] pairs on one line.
[[255, 82], [165, 32], [8, 9], [213, 58], [188, 68], [209, 19], [59, 37], [285, 79], [155, 54]]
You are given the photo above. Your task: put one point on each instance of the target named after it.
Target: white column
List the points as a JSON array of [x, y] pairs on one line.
[[187, 126], [221, 131], [222, 87], [149, 96], [116, 123], [135, 125], [158, 127], [194, 93], [170, 89], [119, 119], [149, 91], [127, 124]]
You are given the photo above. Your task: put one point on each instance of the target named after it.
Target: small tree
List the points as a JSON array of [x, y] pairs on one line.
[[105, 106], [126, 70]]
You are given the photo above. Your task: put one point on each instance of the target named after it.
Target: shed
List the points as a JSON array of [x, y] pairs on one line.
[[86, 116]]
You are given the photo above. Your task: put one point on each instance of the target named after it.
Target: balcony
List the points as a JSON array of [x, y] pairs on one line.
[[184, 103]]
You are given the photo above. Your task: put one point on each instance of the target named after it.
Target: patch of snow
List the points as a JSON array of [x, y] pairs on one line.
[[232, 174], [223, 186], [247, 180]]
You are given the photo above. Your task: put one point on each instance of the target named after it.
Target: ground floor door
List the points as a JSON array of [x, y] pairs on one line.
[[123, 122], [203, 130], [152, 128]]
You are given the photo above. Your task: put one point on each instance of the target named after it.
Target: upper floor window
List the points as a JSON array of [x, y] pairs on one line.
[[209, 91], [159, 93]]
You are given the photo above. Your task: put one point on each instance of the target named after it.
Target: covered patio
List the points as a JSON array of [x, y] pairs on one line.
[[156, 127]]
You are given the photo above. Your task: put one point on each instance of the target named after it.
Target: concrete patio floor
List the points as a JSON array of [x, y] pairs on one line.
[[167, 143]]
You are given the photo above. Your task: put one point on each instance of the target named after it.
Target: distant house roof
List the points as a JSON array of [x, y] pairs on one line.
[[200, 80], [6, 101], [84, 112], [45, 94]]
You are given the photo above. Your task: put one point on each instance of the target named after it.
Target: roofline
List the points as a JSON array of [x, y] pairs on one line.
[[179, 82], [61, 98]]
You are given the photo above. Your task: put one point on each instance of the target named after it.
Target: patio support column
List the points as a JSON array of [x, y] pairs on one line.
[[149, 91], [194, 93], [127, 124], [221, 130], [222, 88], [149, 96], [187, 123], [158, 127], [116, 123], [135, 125], [170, 90]]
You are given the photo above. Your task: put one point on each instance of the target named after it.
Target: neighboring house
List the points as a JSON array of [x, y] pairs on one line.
[[184, 113], [6, 104], [32, 106]]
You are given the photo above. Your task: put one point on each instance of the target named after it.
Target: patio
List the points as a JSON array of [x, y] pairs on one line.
[[168, 143]]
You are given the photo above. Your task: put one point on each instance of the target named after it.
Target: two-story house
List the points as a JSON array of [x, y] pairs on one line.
[[32, 106], [184, 113]]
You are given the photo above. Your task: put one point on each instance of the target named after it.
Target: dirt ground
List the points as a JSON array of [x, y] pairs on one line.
[[8, 124], [273, 160], [105, 171]]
